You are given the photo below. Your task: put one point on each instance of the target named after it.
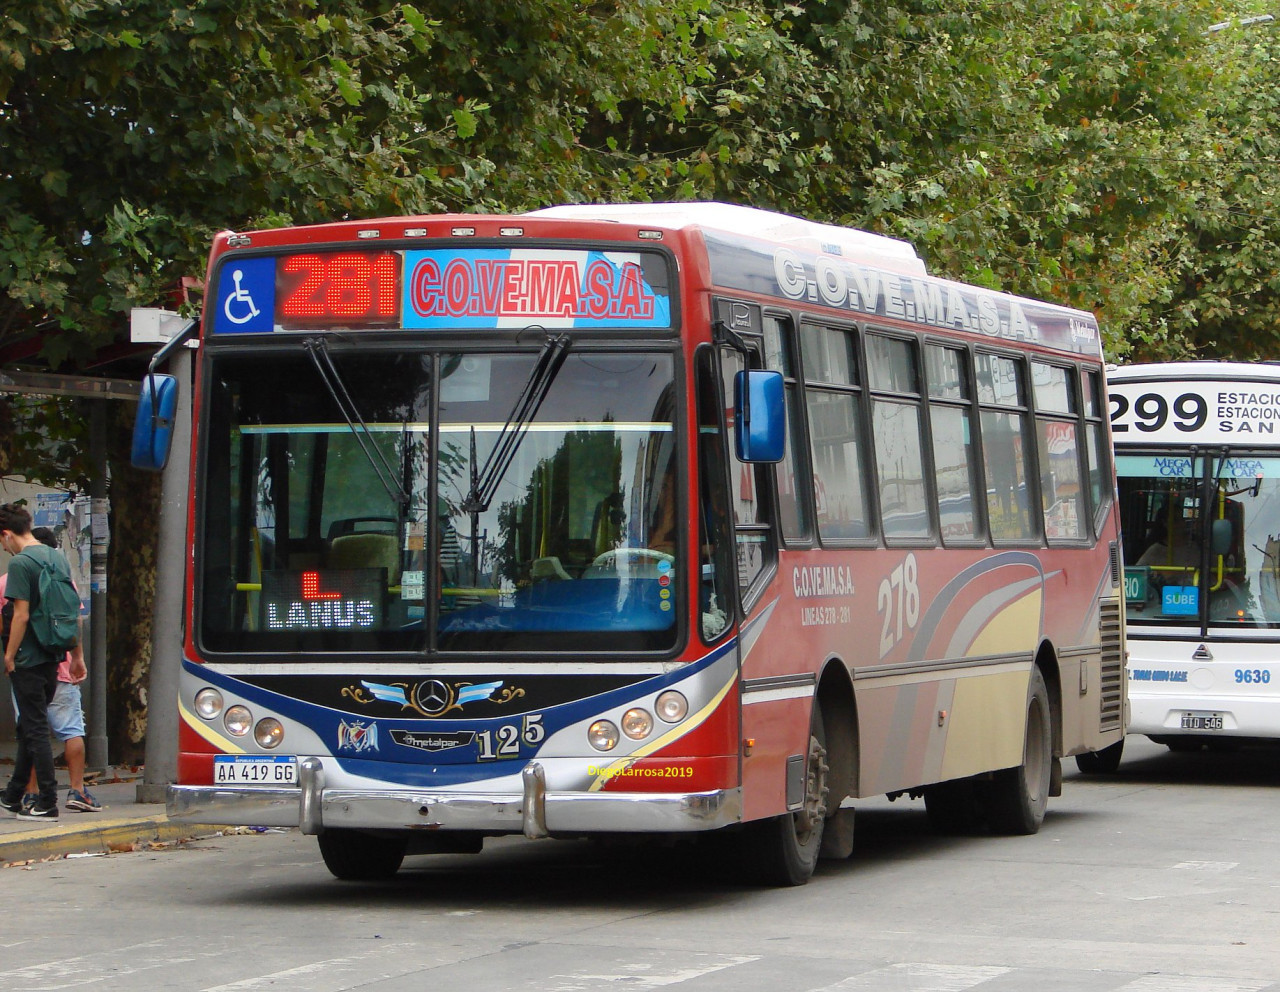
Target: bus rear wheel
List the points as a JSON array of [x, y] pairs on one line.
[[784, 850], [1016, 798], [355, 856]]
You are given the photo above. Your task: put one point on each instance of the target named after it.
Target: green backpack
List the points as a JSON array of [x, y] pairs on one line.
[[55, 616]]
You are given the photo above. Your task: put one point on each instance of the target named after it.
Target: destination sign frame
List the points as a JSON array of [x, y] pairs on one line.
[[1195, 411], [445, 288]]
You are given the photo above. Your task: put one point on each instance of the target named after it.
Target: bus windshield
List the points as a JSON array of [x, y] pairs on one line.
[[1171, 577], [308, 546]]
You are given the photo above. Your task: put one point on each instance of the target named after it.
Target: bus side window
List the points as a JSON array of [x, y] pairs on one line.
[[794, 517], [715, 561], [893, 376], [1058, 447], [954, 458], [1005, 451], [833, 395], [751, 495]]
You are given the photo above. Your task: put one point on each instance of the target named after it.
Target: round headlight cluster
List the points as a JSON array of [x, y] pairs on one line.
[[268, 732], [638, 723], [671, 706], [238, 720], [208, 703], [603, 735]]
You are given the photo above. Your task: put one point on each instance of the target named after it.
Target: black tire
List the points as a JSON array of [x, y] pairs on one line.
[[354, 856], [784, 850], [1104, 762], [1181, 745], [954, 808], [1016, 798]]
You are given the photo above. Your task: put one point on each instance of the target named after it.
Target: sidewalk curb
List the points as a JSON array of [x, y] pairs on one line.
[[99, 837]]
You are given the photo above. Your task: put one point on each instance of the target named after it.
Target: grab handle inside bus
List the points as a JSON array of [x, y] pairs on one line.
[[760, 419]]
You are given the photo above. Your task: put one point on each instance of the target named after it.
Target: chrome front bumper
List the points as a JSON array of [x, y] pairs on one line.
[[536, 813]]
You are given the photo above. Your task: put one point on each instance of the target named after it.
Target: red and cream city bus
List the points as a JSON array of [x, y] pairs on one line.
[[630, 520]]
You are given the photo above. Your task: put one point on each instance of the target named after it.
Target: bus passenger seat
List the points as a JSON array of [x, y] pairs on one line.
[[549, 567], [367, 551]]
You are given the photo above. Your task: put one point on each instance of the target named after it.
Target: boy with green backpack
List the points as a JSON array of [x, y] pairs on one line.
[[45, 626]]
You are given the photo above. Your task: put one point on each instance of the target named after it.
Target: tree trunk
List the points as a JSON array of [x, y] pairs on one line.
[[131, 584]]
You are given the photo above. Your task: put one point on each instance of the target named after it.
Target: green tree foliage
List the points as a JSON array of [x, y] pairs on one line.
[[1115, 155], [1068, 149], [1225, 292]]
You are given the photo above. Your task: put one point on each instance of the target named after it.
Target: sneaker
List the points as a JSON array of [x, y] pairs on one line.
[[83, 802], [38, 812], [13, 806], [29, 800]]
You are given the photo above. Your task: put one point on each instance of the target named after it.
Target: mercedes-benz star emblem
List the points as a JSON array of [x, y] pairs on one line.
[[433, 697]]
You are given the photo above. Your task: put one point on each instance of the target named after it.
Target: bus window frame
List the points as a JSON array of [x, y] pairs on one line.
[[858, 391], [289, 345], [706, 361], [1088, 534], [924, 435], [797, 432], [1099, 419], [1022, 361], [981, 528], [749, 593]]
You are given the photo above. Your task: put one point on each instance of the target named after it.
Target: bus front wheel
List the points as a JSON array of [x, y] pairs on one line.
[[354, 856], [784, 850], [1016, 798]]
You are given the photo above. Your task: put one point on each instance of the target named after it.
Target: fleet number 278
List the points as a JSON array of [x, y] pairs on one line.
[[898, 603]]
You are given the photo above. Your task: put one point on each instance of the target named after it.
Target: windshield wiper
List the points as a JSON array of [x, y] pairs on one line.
[[323, 361], [484, 485]]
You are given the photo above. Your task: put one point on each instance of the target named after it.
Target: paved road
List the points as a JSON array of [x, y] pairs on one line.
[[1163, 878]]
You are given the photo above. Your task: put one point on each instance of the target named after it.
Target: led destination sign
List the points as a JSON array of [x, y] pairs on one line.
[[323, 599], [342, 288], [440, 288], [559, 289]]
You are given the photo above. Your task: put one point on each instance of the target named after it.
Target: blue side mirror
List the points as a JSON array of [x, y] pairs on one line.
[[153, 426], [760, 423]]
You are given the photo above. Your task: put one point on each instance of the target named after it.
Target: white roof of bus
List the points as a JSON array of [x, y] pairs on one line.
[[729, 218], [1194, 370]]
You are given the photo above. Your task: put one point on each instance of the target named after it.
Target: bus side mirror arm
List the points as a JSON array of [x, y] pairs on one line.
[[157, 407], [762, 437]]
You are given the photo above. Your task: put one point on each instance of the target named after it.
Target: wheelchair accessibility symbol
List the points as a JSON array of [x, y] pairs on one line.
[[248, 291], [239, 306]]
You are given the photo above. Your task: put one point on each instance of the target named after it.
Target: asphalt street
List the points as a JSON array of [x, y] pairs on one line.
[[1162, 878]]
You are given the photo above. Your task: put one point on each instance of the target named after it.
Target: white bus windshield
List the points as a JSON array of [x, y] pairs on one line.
[[1202, 538]]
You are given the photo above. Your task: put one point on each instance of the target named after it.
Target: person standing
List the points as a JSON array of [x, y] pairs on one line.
[[33, 671], [66, 712]]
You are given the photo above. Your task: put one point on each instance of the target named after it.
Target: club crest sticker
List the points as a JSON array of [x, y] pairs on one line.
[[357, 736]]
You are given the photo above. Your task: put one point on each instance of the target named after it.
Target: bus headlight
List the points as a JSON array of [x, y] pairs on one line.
[[603, 735], [671, 706], [269, 732], [238, 720], [637, 724], [208, 703]]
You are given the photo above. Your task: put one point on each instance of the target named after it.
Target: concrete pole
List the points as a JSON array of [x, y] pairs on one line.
[[96, 741], [166, 636]]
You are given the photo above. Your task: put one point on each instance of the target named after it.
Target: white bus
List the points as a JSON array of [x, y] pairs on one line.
[[1198, 465]]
